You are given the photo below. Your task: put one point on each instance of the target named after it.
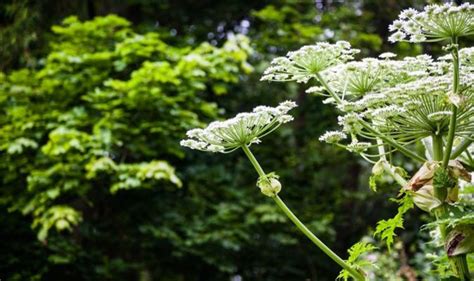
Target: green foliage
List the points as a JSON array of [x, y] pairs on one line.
[[61, 217], [106, 104], [18, 36], [386, 228], [293, 23], [457, 215], [355, 253], [373, 182]]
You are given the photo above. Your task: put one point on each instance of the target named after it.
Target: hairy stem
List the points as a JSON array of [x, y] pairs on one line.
[[254, 161], [437, 147], [356, 274], [454, 108], [459, 263], [439, 192]]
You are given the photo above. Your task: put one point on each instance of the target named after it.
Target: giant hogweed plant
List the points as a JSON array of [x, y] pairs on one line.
[[416, 108]]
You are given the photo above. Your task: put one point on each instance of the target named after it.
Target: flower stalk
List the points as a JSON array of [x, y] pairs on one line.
[[459, 263], [454, 108], [437, 147], [387, 167], [320, 244]]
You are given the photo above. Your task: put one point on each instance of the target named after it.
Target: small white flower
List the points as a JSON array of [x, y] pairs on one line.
[[397, 36], [396, 25], [387, 112], [347, 106], [329, 101], [358, 147], [408, 13], [418, 37], [350, 122], [387, 55], [412, 104], [315, 90], [439, 116]]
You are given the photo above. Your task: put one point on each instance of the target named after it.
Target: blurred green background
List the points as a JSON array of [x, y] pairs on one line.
[[94, 98]]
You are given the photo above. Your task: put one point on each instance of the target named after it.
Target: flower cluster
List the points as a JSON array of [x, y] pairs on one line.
[[358, 147], [243, 129], [434, 23], [370, 75], [407, 100], [307, 62]]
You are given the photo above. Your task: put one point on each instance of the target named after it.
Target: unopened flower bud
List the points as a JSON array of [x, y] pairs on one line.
[[400, 171], [425, 199], [460, 240], [422, 187], [423, 176], [378, 168], [432, 185], [269, 185], [457, 170]]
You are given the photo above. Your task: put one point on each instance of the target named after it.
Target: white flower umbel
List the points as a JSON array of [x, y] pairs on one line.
[[434, 23], [307, 62], [243, 129]]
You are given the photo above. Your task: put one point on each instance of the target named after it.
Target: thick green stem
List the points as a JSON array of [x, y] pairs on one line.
[[437, 147], [356, 274], [254, 161], [459, 263], [454, 108], [439, 191]]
